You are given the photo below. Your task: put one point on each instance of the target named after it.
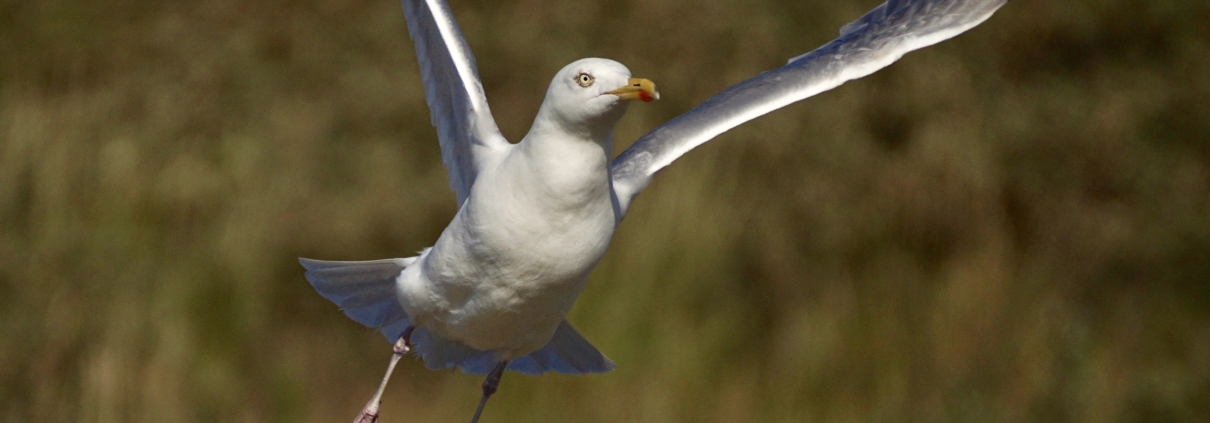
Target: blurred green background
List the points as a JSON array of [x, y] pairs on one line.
[[1010, 226]]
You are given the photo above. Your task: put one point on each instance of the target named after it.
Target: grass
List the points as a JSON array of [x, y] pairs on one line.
[[1011, 226]]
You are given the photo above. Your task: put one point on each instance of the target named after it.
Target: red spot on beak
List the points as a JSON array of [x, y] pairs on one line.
[[645, 97]]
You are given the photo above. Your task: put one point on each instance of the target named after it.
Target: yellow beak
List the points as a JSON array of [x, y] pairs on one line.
[[637, 89]]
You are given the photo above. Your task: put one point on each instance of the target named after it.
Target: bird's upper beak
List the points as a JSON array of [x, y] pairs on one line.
[[637, 89]]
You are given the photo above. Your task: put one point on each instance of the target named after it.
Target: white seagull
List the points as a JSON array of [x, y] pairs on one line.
[[535, 217]]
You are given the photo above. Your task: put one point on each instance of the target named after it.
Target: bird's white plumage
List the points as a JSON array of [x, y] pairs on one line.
[[535, 217], [511, 263]]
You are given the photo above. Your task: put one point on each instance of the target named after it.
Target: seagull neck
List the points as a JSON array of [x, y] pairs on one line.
[[569, 155], [598, 129], [566, 162], [557, 147]]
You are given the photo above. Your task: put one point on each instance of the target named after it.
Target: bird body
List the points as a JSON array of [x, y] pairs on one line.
[[516, 255]]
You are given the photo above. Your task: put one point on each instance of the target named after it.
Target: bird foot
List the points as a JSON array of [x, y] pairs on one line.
[[369, 414]]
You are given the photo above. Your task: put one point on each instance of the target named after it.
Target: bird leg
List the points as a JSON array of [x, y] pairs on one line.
[[489, 387], [369, 414]]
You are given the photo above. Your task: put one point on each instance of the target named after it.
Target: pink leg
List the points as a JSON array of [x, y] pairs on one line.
[[369, 414]]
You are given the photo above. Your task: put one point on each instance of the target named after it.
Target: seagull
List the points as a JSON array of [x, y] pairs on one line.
[[534, 217]]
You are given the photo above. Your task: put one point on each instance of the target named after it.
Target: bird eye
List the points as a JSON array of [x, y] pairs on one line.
[[584, 79]]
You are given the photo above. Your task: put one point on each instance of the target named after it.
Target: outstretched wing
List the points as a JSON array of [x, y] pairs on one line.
[[468, 134], [866, 45]]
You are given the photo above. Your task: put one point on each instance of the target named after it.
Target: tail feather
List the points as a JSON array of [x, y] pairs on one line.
[[364, 290], [567, 352]]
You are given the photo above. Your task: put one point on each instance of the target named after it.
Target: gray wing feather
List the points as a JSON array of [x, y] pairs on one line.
[[866, 45], [464, 123]]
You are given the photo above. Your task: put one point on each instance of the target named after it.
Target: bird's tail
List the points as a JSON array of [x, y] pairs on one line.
[[566, 352], [364, 290]]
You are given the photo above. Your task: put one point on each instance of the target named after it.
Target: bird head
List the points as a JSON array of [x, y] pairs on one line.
[[592, 94]]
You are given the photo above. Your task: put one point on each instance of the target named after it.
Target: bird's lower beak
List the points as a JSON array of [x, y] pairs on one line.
[[637, 89]]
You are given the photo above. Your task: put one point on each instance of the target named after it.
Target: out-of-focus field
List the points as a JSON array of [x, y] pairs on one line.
[[1011, 226]]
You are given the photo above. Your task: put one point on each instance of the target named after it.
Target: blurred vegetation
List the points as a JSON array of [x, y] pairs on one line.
[[1011, 226]]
